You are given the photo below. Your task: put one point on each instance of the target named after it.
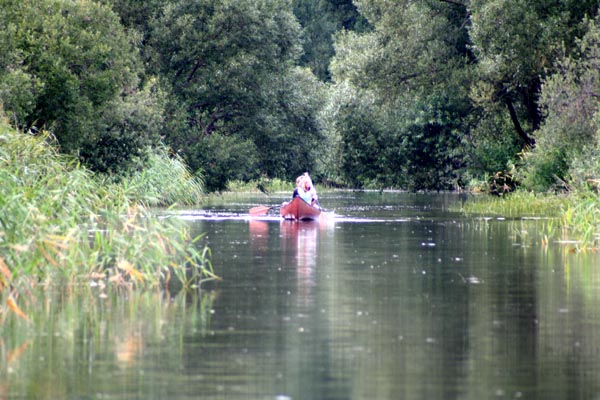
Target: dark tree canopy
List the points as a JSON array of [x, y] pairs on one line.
[[415, 94], [68, 67]]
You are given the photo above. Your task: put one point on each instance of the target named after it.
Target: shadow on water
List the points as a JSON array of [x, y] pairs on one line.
[[392, 296]]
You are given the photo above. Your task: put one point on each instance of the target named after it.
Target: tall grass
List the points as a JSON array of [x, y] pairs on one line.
[[59, 223], [582, 220], [573, 218], [518, 205], [165, 181]]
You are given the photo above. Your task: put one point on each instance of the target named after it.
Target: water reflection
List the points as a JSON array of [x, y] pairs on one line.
[[299, 241], [81, 345], [259, 236], [396, 298]]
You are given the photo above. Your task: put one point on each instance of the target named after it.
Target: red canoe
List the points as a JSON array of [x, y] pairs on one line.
[[299, 209]]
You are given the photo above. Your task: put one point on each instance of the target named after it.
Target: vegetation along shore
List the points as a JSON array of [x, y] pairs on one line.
[[61, 224], [110, 107]]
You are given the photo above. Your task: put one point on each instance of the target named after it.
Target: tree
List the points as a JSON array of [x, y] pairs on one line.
[[515, 44], [467, 74], [415, 67], [137, 17], [74, 64], [230, 68], [568, 142], [320, 20]]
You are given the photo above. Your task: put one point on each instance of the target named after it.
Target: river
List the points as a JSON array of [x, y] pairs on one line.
[[389, 296]]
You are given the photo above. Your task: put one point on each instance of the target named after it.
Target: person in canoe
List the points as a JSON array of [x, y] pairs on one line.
[[297, 189], [304, 204], [306, 190]]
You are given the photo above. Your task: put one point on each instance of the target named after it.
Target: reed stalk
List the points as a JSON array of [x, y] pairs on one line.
[[60, 223]]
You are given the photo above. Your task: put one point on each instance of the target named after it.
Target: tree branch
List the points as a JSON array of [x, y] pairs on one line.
[[198, 64], [515, 120], [456, 3]]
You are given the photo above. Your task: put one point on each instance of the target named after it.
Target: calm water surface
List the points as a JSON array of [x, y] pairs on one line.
[[391, 296]]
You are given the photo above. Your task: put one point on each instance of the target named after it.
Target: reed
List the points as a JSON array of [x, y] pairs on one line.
[[518, 205], [582, 220], [164, 182], [572, 218], [59, 223]]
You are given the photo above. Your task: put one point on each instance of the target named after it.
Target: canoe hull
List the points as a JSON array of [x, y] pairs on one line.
[[300, 210]]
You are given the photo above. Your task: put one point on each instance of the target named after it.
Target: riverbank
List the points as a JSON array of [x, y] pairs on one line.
[[61, 224], [572, 218]]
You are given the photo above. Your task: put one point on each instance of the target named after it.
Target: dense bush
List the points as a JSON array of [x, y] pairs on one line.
[[72, 68], [567, 142]]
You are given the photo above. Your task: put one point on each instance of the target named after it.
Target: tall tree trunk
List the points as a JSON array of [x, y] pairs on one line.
[[515, 120]]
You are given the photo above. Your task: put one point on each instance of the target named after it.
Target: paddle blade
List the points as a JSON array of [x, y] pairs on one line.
[[260, 210]]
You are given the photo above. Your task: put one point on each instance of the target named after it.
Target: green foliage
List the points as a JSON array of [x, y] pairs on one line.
[[418, 94], [518, 204], [320, 20], [123, 131], [135, 14], [290, 139], [239, 107], [584, 170], [567, 142], [163, 180], [361, 145], [72, 68], [379, 148], [17, 93], [546, 170], [466, 77], [59, 223], [515, 45], [573, 217], [491, 144], [353, 53], [419, 47], [267, 185], [581, 220], [403, 125], [227, 158]]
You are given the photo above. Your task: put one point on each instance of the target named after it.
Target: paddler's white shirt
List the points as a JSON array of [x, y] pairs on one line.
[[304, 195], [307, 196]]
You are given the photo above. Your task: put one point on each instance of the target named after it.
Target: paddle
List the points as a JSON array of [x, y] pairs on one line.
[[260, 210]]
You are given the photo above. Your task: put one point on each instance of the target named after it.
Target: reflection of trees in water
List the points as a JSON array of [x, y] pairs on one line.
[[395, 331], [373, 312], [394, 313], [404, 324], [78, 340]]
